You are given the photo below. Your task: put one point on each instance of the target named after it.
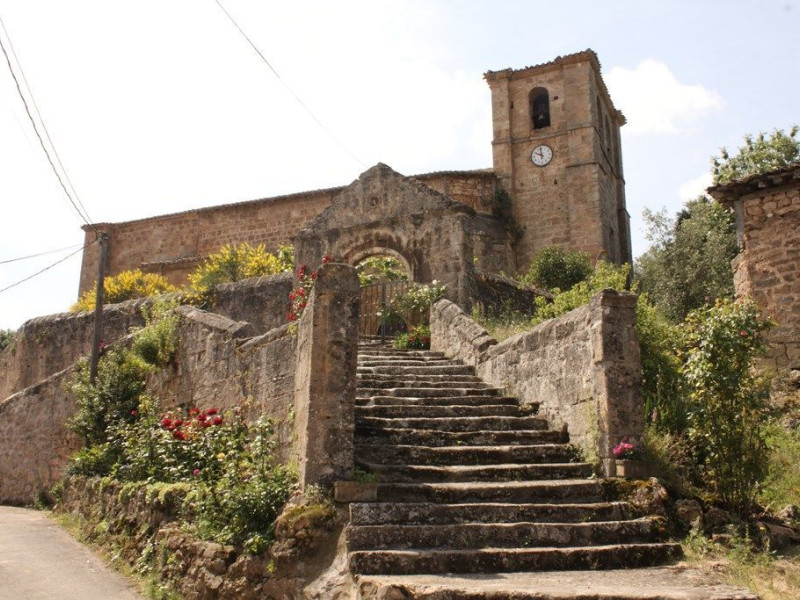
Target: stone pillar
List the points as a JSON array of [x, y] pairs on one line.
[[325, 383], [618, 373]]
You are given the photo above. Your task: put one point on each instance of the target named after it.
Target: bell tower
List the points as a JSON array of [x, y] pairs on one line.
[[556, 151]]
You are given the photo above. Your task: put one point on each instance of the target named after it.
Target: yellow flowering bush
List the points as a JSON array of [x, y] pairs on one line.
[[125, 286], [233, 262]]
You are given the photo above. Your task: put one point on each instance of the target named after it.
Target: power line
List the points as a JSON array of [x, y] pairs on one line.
[[41, 119], [11, 260], [58, 262], [39, 136], [294, 95]]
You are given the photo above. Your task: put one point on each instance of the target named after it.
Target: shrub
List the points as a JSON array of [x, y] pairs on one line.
[[298, 297], [414, 304], [556, 268], [124, 286], [6, 338], [234, 262], [417, 338], [605, 276], [112, 398], [156, 342], [727, 409], [380, 268], [661, 344]]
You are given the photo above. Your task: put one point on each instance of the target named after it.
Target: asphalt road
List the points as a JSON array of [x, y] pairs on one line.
[[41, 561]]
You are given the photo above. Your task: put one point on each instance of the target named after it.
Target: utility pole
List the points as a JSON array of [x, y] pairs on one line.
[[98, 305]]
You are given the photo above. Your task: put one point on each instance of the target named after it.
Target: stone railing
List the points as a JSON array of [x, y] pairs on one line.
[[583, 369]]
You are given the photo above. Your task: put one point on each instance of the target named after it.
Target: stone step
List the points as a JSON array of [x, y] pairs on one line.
[[427, 392], [367, 377], [445, 401], [452, 369], [406, 362], [456, 424], [425, 411], [369, 352], [649, 583], [428, 513], [502, 535], [499, 472], [397, 382], [433, 437], [566, 491], [496, 560], [466, 455]]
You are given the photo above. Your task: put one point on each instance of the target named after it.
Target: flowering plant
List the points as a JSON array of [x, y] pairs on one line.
[[417, 338], [625, 449], [299, 296]]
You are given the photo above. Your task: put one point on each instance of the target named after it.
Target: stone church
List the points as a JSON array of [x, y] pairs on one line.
[[556, 179]]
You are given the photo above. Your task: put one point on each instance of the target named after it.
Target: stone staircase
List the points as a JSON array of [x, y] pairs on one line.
[[469, 482]]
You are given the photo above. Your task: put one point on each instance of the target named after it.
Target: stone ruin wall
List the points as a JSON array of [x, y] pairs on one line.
[[173, 245], [768, 267]]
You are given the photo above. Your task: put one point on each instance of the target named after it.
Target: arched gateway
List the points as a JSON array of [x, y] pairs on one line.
[[386, 212]]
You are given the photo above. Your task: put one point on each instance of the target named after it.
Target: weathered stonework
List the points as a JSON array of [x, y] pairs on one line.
[[263, 302], [384, 211], [582, 369], [304, 383], [46, 345], [767, 268], [35, 441], [577, 200], [325, 383]]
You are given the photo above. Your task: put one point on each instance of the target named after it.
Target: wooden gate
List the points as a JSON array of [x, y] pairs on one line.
[[375, 320]]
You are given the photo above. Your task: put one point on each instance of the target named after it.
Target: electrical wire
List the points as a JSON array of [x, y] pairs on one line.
[[41, 120], [11, 260], [58, 262], [39, 136], [294, 95]]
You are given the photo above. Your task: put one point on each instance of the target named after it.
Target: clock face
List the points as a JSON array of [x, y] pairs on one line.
[[541, 155]]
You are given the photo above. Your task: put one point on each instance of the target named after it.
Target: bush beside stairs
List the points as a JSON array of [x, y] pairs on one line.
[[470, 482]]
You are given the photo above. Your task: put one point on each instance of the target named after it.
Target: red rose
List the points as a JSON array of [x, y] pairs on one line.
[[217, 420], [177, 422], [211, 411], [134, 413], [201, 417], [166, 423], [206, 423], [326, 259], [179, 435]]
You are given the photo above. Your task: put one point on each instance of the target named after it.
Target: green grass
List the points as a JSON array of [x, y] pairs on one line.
[[782, 485], [770, 575]]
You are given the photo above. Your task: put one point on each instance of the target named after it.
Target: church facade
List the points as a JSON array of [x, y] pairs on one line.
[[556, 179]]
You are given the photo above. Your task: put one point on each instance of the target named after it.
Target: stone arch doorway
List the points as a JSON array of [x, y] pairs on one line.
[[384, 211]]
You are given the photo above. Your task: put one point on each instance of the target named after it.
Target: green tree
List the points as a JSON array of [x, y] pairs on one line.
[[6, 338], [759, 154], [553, 267], [689, 261]]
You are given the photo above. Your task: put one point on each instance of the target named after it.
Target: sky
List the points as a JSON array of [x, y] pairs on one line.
[[159, 106]]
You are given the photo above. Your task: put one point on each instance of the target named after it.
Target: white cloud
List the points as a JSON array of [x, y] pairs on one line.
[[654, 101], [692, 188]]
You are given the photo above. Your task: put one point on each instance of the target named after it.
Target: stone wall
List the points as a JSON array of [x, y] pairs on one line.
[[173, 245], [767, 209], [47, 345], [582, 369], [35, 441], [263, 301], [220, 364], [496, 295]]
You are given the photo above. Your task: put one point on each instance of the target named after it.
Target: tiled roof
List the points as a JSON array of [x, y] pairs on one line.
[[726, 193]]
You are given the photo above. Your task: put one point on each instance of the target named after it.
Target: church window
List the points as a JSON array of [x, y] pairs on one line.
[[540, 108]]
